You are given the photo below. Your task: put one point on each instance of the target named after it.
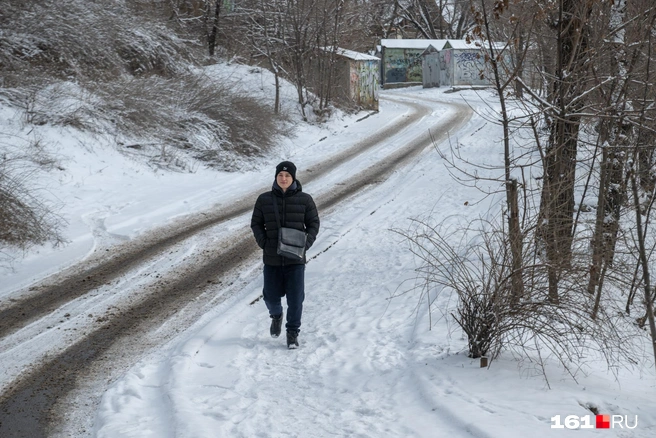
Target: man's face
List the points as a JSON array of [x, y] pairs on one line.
[[284, 180]]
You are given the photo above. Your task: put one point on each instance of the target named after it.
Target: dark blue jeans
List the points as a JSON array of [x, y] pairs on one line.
[[280, 281]]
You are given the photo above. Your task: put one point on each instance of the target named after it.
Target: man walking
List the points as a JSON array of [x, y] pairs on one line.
[[284, 276]]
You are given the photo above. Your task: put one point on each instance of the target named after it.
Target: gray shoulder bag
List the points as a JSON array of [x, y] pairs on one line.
[[291, 242]]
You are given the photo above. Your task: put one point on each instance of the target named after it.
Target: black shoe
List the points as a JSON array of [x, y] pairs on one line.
[[292, 339], [276, 325]]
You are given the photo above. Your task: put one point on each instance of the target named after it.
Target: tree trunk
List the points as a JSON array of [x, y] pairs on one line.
[[514, 230], [644, 261], [211, 38], [557, 202], [647, 151], [516, 242], [276, 75], [426, 6]]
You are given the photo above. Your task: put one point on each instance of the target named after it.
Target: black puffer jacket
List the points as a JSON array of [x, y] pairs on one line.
[[297, 210]]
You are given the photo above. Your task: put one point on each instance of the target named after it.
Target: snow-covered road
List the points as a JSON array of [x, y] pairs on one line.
[[352, 375], [370, 363], [81, 333]]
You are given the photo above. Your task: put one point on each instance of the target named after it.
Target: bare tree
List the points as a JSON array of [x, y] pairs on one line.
[[503, 76], [644, 258], [436, 19], [263, 33], [298, 39], [569, 81], [212, 18], [365, 22]]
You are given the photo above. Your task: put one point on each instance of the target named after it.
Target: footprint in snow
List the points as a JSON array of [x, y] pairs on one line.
[[102, 238]]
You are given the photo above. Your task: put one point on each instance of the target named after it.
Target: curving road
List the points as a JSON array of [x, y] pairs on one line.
[[38, 400]]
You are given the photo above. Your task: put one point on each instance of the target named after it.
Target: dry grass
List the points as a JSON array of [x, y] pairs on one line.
[[191, 114], [25, 218], [96, 40], [118, 68]]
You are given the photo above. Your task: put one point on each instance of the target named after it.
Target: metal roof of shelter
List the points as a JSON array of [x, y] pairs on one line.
[[351, 54], [413, 44], [421, 44], [463, 44], [430, 49]]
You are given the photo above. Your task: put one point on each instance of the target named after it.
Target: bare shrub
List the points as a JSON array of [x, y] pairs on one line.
[[66, 64], [166, 120], [474, 263], [57, 103], [96, 40], [208, 120], [25, 218], [477, 272]]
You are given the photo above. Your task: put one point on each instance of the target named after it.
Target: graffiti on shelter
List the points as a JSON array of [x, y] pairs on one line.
[[403, 65], [364, 84], [469, 67]]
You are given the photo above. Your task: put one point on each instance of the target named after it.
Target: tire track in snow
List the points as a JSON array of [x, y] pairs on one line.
[[27, 408], [51, 293]]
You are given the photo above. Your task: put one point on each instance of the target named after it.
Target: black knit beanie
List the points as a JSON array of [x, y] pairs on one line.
[[286, 166]]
